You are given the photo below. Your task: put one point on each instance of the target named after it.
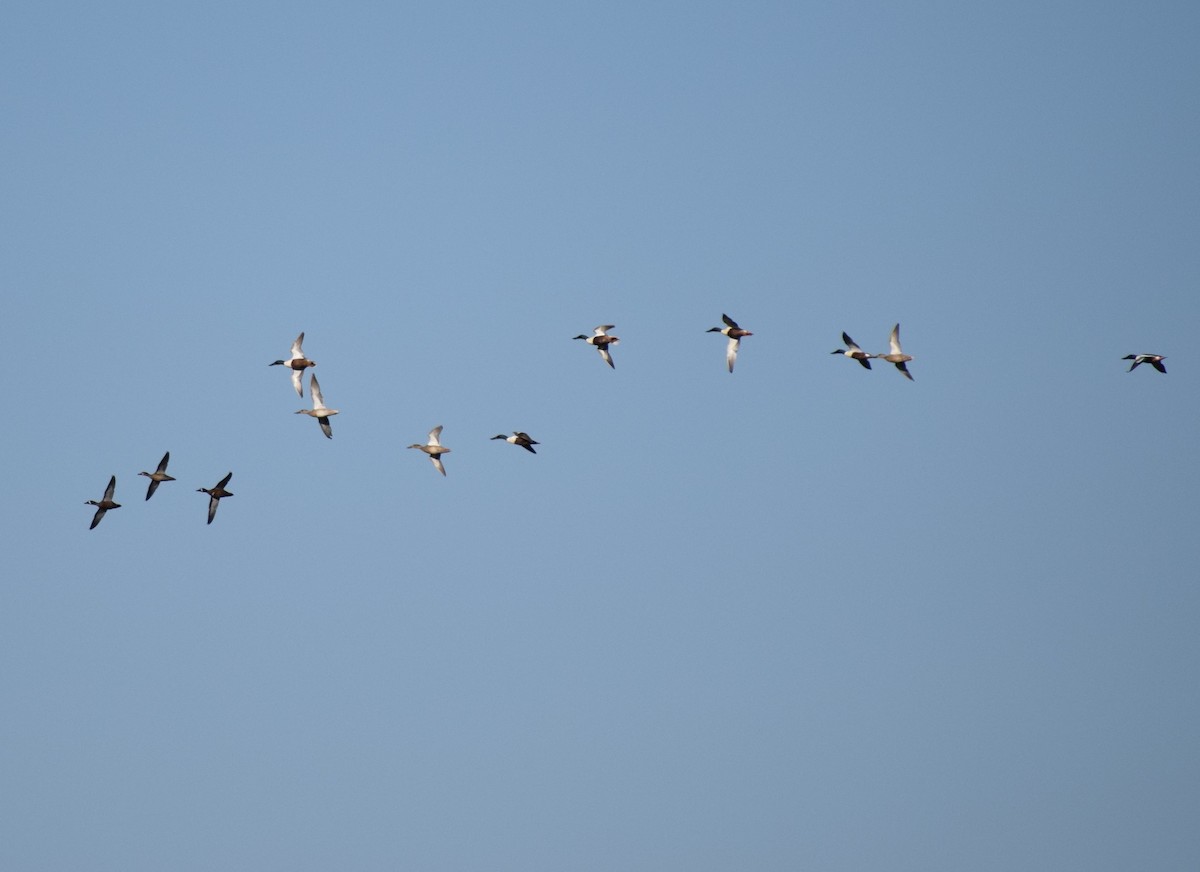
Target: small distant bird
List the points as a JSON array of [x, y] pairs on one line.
[[104, 504], [519, 438], [318, 410], [853, 352], [215, 495], [434, 448], [1155, 360], [601, 340], [897, 356], [158, 476], [735, 334], [297, 363]]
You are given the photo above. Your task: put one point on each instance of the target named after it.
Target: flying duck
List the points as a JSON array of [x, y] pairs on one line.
[[601, 340], [215, 495], [318, 410], [434, 448], [158, 476], [519, 438], [1155, 360], [852, 351], [297, 364], [104, 504], [897, 356], [735, 334]]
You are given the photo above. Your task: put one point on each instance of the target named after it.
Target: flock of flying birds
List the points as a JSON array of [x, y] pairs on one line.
[[600, 339]]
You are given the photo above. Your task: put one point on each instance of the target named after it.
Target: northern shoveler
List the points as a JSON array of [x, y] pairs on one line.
[[600, 340]]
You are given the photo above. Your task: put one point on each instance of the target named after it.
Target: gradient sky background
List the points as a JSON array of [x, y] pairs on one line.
[[800, 617]]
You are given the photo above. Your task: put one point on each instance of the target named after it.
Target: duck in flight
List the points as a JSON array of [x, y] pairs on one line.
[[215, 495], [735, 334], [852, 351], [1155, 360], [105, 503], [297, 363], [318, 410], [158, 476], [897, 356], [519, 438], [600, 340], [434, 448]]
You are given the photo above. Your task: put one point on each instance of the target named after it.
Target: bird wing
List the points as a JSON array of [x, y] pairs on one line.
[[603, 328], [224, 481], [314, 390], [607, 357], [325, 428], [96, 518], [851, 345], [894, 340], [434, 434], [437, 463], [112, 486], [297, 352], [213, 502], [298, 381], [162, 464], [731, 351], [729, 322], [153, 487]]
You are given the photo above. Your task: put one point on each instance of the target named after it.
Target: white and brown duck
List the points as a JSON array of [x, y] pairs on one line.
[[297, 363]]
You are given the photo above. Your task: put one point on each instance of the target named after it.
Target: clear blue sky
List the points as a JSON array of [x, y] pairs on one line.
[[798, 617]]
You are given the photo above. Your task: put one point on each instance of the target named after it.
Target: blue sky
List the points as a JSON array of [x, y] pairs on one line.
[[798, 617]]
